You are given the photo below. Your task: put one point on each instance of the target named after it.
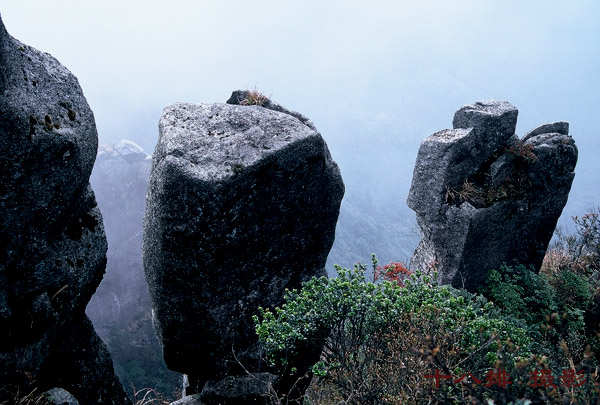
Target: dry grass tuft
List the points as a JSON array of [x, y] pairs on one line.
[[254, 97]]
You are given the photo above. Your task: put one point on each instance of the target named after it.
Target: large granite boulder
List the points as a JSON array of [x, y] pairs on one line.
[[242, 203], [52, 242], [484, 197]]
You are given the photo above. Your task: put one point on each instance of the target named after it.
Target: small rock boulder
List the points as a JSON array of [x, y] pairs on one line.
[[59, 396], [242, 203], [484, 197]]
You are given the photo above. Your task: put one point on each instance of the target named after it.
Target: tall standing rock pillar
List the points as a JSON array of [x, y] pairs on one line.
[[484, 197], [242, 203], [52, 241]]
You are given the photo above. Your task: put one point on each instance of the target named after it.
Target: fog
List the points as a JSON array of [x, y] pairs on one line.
[[376, 77]]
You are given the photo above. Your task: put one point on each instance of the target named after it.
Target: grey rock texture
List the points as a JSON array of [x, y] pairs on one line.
[[239, 390], [483, 197], [59, 396], [52, 242], [82, 365], [553, 128], [189, 400], [242, 203], [239, 96]]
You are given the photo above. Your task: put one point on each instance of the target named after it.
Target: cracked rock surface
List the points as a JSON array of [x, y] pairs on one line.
[[242, 203], [484, 197]]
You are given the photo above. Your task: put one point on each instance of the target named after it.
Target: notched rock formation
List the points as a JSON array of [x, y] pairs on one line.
[[52, 243], [484, 197], [240, 97], [242, 203]]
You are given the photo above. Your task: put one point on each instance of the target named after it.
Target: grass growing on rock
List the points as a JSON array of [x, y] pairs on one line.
[[254, 97]]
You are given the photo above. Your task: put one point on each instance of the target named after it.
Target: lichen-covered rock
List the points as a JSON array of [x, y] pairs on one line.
[[52, 242], [48, 142], [60, 396], [242, 203], [484, 197]]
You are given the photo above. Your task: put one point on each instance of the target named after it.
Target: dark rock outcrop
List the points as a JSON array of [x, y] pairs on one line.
[[52, 243], [242, 203], [82, 364], [483, 197]]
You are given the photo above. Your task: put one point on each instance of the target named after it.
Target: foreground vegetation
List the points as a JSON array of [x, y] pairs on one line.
[[399, 337]]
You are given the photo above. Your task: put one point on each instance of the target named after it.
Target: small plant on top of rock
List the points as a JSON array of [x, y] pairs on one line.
[[468, 191], [254, 97]]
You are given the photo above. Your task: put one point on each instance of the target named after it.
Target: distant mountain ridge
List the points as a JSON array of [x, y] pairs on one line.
[[128, 150], [120, 309]]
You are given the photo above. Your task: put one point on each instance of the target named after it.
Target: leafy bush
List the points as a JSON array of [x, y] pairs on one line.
[[395, 272], [522, 293], [553, 308], [404, 339], [573, 266], [532, 298], [385, 338], [346, 305]]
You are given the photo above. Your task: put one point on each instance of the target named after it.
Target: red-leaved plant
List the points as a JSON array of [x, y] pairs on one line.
[[395, 272]]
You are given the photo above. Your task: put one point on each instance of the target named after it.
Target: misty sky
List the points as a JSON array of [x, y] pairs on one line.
[[376, 77]]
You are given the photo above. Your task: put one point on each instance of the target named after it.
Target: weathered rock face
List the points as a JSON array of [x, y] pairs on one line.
[[242, 203], [52, 243], [239, 97], [483, 197]]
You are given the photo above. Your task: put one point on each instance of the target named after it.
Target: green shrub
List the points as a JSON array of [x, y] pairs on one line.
[[552, 307], [521, 293], [385, 338], [572, 265]]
